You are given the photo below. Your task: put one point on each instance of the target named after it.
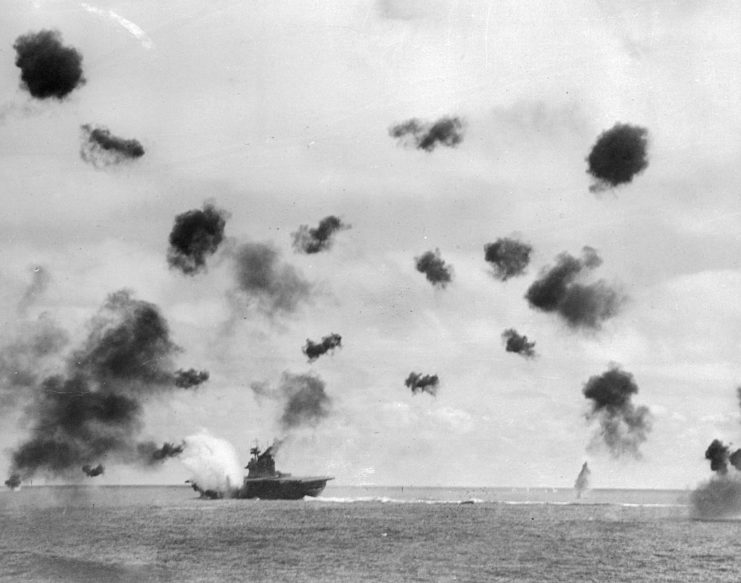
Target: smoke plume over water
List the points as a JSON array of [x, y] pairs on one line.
[[91, 409]]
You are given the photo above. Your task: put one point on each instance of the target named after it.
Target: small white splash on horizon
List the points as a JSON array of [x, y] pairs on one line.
[[135, 30]]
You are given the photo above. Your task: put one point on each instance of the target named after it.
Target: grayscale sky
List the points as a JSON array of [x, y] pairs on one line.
[[278, 112]]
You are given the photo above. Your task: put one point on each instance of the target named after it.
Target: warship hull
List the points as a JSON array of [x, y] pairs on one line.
[[282, 488]]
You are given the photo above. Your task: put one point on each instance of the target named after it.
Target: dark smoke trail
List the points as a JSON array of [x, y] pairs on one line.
[[447, 131], [307, 240], [185, 379], [101, 148], [420, 383], [48, 68], [623, 426], [92, 471], [195, 236], [582, 480], [508, 257], [435, 269], [305, 401], [617, 156], [314, 350], [93, 408], [515, 342], [264, 281], [580, 305]]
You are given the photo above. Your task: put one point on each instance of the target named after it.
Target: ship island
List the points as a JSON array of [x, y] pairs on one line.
[[264, 482]]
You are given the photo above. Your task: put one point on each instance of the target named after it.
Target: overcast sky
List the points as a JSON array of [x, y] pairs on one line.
[[279, 113]]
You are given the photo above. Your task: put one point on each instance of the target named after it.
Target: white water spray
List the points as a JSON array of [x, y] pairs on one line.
[[213, 462]]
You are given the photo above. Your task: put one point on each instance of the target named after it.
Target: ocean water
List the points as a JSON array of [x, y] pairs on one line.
[[100, 534]]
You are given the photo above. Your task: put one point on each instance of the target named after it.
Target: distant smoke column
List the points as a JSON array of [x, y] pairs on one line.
[[582, 480], [617, 156], [48, 68], [213, 462], [195, 236], [437, 272], [307, 240], [508, 257]]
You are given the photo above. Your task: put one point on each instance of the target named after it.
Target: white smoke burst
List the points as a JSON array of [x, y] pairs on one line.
[[213, 462]]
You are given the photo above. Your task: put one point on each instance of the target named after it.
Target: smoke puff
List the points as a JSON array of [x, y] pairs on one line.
[[617, 156], [92, 471], [623, 426], [447, 131], [212, 461], [195, 236], [420, 383], [93, 409], [437, 272], [314, 350], [185, 379], [307, 240], [508, 257], [303, 397], [717, 453], [580, 305], [517, 343], [101, 148], [48, 68], [273, 287]]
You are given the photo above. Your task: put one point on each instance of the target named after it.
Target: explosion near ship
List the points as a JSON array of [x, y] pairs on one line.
[[264, 482]]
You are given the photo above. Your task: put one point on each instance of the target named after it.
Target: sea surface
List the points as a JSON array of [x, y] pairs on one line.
[[166, 533]]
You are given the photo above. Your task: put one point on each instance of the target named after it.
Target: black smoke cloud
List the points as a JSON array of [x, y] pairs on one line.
[[92, 471], [264, 281], [447, 131], [517, 343], [48, 68], [307, 240], [185, 379], [422, 383], [101, 148], [92, 408], [617, 156], [508, 257], [195, 236], [437, 272], [581, 305], [719, 455], [314, 350], [623, 427], [303, 398]]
